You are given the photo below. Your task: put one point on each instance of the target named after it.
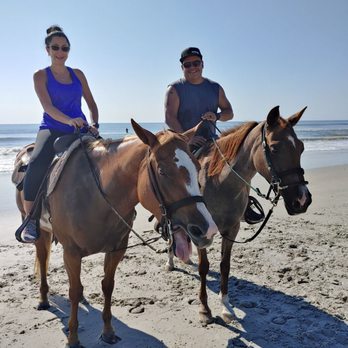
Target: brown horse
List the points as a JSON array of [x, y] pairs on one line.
[[83, 219], [270, 148]]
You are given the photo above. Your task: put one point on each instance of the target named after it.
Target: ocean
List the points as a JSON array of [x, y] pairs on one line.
[[326, 142]]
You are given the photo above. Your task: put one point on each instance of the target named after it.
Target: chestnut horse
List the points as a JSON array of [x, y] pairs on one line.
[[82, 215], [270, 148]]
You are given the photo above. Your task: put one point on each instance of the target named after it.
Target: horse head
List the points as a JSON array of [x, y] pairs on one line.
[[168, 187], [280, 164]]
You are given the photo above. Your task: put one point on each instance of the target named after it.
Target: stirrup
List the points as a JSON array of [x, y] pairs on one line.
[[20, 229], [254, 212]]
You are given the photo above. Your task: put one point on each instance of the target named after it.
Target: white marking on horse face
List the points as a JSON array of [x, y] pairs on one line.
[[292, 140], [184, 160], [303, 199]]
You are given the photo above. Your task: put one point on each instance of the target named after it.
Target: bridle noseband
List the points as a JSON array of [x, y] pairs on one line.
[[167, 210]]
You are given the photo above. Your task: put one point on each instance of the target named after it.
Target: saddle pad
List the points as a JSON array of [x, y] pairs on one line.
[[59, 164], [22, 160]]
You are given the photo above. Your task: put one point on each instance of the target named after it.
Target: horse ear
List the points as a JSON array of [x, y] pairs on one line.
[[145, 136], [296, 117], [273, 116]]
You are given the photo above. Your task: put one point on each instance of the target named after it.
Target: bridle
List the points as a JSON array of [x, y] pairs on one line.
[[167, 210], [277, 178]]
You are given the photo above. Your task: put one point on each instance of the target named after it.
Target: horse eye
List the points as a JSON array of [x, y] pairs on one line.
[[161, 171], [274, 149]]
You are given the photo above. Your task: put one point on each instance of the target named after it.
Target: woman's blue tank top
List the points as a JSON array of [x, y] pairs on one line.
[[66, 98]]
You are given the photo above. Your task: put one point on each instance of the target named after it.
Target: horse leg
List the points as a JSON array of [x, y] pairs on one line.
[[170, 261], [110, 264], [227, 310], [72, 261], [43, 249], [205, 315]]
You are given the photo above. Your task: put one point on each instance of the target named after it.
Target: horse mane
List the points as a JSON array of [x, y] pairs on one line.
[[164, 136], [229, 144]]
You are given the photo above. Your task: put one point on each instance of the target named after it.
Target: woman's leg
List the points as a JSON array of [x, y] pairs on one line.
[[40, 161]]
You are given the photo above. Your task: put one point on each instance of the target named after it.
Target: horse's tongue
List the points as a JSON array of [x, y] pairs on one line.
[[183, 248]]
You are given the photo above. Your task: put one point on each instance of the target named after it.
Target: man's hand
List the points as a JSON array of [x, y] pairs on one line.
[[209, 116]]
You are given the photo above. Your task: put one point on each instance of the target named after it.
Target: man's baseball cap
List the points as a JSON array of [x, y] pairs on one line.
[[190, 51]]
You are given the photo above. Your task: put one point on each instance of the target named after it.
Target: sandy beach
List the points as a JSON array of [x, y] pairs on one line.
[[288, 287]]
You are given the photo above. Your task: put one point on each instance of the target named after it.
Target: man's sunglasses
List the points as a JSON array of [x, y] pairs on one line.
[[63, 48], [195, 63]]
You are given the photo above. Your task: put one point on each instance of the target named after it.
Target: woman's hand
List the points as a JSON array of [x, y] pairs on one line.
[[77, 122], [94, 130]]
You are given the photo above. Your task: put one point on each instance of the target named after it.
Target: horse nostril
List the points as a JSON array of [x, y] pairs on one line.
[[194, 230]]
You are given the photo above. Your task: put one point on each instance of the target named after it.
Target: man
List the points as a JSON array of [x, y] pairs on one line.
[[195, 98]]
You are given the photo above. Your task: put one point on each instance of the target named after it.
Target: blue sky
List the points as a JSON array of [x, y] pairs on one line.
[[291, 53]]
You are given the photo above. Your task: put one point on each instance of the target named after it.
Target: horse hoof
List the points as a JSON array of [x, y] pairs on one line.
[[206, 317], [227, 317], [43, 306], [169, 268], [110, 338], [189, 262]]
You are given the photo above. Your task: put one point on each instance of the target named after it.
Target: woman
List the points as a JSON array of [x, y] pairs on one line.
[[60, 90]]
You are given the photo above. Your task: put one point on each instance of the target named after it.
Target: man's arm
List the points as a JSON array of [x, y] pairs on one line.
[[171, 107], [226, 112]]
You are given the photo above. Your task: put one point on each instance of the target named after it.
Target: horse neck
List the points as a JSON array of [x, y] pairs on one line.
[[119, 168], [244, 162]]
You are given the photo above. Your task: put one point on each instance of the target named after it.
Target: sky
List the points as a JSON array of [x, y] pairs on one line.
[[291, 53]]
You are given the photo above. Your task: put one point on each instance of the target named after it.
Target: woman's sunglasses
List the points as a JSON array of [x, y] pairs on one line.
[[195, 64], [63, 48]]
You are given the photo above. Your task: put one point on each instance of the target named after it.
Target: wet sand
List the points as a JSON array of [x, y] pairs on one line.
[[288, 287]]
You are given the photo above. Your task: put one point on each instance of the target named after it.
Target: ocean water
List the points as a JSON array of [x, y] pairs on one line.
[[326, 142]]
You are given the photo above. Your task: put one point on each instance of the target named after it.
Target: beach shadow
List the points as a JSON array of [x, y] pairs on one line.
[[273, 319], [91, 323]]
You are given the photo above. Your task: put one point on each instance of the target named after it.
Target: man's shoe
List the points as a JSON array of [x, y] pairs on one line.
[[254, 212], [29, 233]]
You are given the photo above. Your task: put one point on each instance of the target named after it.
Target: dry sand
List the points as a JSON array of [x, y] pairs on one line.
[[288, 287]]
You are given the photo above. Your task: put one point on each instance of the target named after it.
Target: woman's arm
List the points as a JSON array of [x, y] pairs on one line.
[[46, 102], [87, 95]]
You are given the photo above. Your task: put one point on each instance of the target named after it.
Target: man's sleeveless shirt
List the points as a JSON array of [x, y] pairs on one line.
[[195, 100], [66, 98]]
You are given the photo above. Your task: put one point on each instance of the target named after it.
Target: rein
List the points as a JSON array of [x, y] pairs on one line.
[[97, 181]]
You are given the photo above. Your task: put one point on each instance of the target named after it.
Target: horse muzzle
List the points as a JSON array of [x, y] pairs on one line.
[[298, 202], [198, 237]]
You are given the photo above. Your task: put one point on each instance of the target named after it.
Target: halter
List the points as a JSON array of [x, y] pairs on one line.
[[167, 210]]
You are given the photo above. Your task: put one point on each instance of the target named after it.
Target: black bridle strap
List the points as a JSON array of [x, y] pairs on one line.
[[183, 202]]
